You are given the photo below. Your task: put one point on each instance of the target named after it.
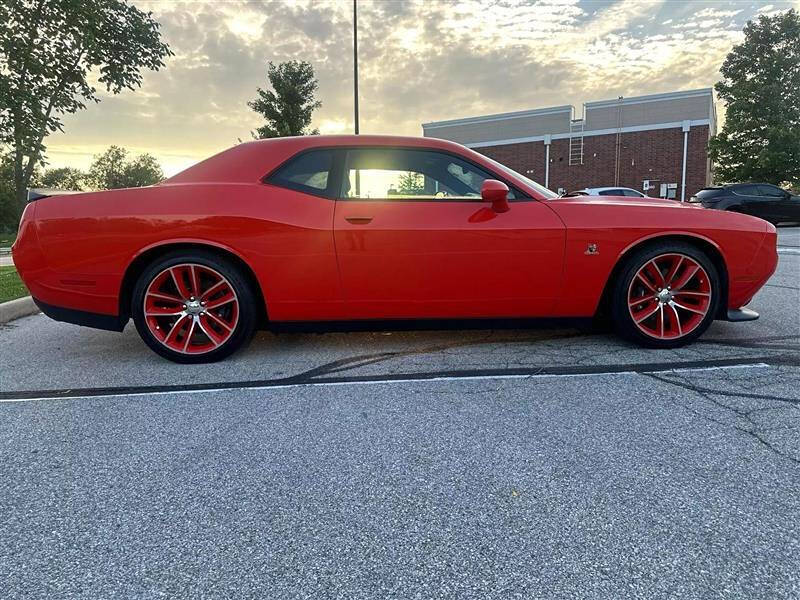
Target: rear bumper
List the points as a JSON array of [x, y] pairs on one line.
[[80, 317], [741, 314]]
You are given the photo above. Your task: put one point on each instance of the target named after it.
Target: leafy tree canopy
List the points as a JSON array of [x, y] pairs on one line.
[[9, 215], [63, 178], [53, 53], [113, 170], [289, 105], [761, 78]]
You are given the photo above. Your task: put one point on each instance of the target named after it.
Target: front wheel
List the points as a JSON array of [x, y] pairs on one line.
[[193, 307], [666, 296]]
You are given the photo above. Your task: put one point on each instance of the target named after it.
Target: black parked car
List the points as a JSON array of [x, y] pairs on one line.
[[764, 200]]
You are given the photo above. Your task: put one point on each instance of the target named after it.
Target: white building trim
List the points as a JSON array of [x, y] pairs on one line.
[[649, 98], [501, 116], [561, 136]]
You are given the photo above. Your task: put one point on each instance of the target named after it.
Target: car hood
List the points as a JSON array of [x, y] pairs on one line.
[[654, 214], [622, 201]]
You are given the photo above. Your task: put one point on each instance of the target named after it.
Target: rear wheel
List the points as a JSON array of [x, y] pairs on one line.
[[193, 307], [666, 296]]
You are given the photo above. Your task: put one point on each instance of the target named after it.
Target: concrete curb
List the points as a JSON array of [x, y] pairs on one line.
[[16, 309]]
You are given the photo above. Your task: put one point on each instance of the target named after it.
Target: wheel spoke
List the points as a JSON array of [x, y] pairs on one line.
[[166, 297], [219, 321], [697, 294], [194, 281], [640, 300], [220, 301], [214, 288], [655, 273], [677, 318], [689, 308], [644, 280], [158, 311], [686, 277], [661, 318], [177, 278], [673, 271], [209, 331], [172, 336], [648, 313], [189, 334]]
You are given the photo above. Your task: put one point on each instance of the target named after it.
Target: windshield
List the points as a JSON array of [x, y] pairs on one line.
[[538, 187]]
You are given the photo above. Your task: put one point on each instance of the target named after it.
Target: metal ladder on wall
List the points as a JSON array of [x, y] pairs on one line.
[[576, 142]]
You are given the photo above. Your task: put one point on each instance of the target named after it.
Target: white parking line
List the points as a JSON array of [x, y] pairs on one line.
[[385, 382], [788, 250]]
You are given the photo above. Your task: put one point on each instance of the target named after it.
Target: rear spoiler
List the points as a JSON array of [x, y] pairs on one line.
[[37, 193]]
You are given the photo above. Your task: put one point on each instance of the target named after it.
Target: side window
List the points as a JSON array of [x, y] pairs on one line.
[[746, 190], [772, 192], [609, 193], [309, 172], [399, 174], [632, 194]]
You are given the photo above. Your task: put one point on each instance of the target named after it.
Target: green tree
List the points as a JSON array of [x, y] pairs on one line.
[[761, 76], [113, 169], [10, 209], [107, 171], [143, 170], [289, 105], [52, 53], [63, 178], [9, 213], [410, 184]]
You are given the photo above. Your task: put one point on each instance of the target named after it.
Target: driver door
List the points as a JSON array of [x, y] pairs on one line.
[[415, 240]]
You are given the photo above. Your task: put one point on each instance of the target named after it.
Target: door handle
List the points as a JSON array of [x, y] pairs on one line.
[[358, 220]]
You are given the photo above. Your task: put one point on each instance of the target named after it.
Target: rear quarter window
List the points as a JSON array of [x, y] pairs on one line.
[[307, 172]]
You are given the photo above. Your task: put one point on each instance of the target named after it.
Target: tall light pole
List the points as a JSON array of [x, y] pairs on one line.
[[355, 61]]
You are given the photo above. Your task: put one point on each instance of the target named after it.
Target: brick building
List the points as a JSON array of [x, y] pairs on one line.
[[657, 144]]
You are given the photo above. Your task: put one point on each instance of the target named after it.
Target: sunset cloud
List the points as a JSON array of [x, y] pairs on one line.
[[419, 60]]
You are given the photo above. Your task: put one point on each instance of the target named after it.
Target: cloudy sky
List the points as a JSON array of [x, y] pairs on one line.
[[419, 61]]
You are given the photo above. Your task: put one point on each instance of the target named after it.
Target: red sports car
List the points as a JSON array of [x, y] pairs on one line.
[[347, 228]]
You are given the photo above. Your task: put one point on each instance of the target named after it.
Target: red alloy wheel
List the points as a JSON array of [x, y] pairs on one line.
[[670, 296], [191, 308]]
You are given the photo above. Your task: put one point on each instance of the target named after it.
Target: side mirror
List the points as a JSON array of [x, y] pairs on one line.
[[495, 192]]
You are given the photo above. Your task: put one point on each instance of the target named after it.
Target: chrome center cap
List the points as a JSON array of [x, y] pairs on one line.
[[664, 296], [193, 307]]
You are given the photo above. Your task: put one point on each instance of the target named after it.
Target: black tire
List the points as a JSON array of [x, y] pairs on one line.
[[245, 326], [621, 315]]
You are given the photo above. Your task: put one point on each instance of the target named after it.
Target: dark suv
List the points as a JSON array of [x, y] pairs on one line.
[[764, 200]]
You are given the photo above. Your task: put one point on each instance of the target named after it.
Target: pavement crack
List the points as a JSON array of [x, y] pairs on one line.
[[704, 390], [752, 430], [354, 362]]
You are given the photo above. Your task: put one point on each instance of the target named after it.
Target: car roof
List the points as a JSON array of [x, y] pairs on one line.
[[742, 184], [249, 161]]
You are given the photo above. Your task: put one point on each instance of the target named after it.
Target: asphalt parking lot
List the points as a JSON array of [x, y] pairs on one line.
[[551, 463]]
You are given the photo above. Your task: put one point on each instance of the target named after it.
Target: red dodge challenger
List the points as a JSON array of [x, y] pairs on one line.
[[346, 228]]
